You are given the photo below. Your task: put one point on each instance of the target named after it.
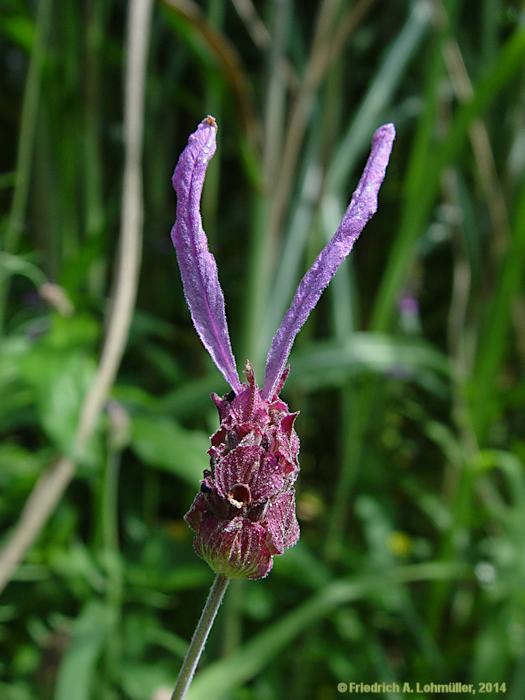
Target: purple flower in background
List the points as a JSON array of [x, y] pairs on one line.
[[245, 511], [408, 305]]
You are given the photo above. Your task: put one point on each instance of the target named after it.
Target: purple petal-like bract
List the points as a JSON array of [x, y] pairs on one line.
[[361, 209], [245, 511], [197, 265]]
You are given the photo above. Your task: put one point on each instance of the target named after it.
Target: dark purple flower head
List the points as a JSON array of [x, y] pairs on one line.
[[245, 511]]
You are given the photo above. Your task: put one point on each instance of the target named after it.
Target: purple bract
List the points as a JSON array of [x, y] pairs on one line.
[[245, 511]]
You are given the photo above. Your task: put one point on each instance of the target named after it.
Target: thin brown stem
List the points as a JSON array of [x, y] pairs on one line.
[[478, 135], [53, 482], [481, 148], [229, 60], [262, 38], [327, 45]]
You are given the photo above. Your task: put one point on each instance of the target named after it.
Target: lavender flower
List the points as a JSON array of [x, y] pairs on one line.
[[245, 511], [408, 305]]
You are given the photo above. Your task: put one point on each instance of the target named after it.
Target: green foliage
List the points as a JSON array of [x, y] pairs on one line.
[[411, 498], [162, 443], [88, 638]]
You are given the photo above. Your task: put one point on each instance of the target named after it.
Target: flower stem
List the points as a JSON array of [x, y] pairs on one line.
[[200, 636]]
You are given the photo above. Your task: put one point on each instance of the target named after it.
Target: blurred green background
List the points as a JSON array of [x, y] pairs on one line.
[[408, 376]]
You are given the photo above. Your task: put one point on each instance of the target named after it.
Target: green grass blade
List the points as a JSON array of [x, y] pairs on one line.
[[222, 677]]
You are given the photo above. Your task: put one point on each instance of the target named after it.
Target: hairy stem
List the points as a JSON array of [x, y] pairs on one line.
[[198, 641]]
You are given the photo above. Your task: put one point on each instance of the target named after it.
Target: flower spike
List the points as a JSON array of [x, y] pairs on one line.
[[244, 513], [197, 265], [361, 209]]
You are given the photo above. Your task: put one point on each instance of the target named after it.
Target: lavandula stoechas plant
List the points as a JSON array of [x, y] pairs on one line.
[[244, 513]]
